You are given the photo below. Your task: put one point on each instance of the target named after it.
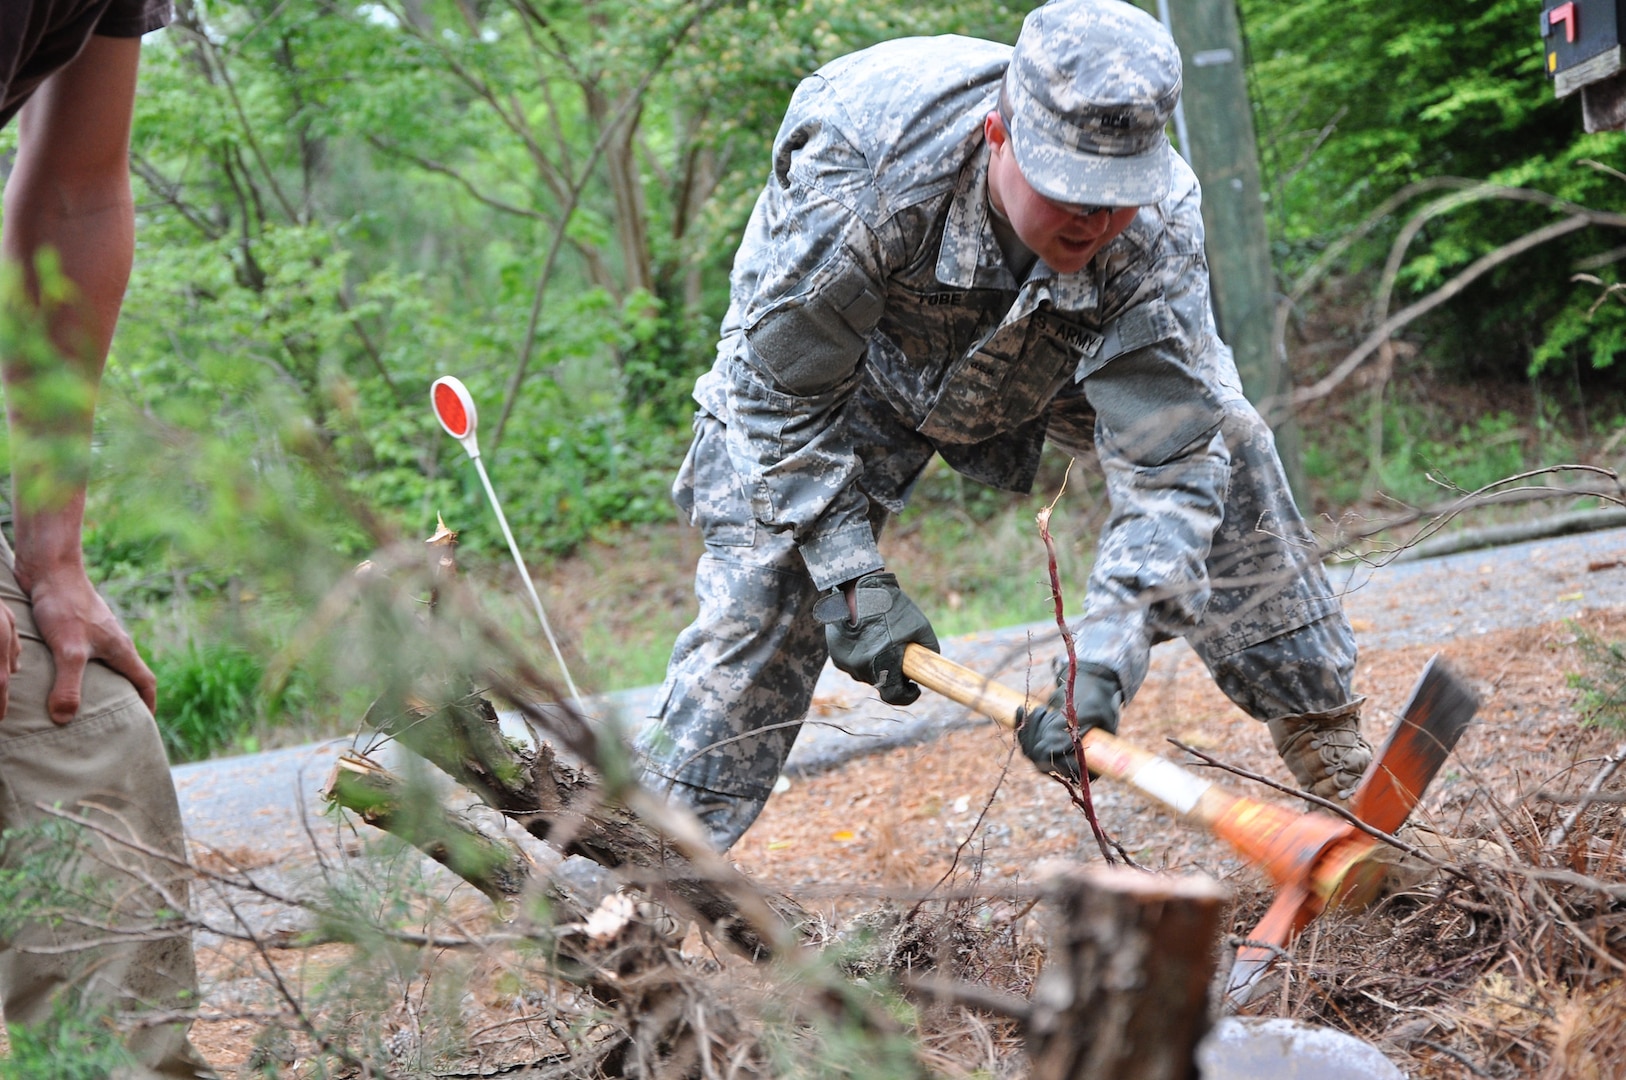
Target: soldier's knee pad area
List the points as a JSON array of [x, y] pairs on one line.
[[1306, 670]]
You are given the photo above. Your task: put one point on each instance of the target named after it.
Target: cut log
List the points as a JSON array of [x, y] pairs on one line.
[[563, 805], [492, 864], [621, 958], [442, 716], [1124, 993]]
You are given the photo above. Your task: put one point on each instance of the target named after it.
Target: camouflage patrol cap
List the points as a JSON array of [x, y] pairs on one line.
[[1090, 86]]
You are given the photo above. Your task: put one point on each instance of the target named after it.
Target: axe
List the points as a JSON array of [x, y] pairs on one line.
[[1315, 860]]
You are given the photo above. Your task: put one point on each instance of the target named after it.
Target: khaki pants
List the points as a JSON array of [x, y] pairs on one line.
[[107, 765]]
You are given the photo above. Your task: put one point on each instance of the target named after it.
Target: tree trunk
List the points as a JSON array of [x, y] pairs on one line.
[[1124, 993], [630, 218]]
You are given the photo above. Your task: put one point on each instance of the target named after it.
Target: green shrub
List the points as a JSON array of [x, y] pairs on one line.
[[1356, 99], [210, 699], [71, 1045], [1476, 454]]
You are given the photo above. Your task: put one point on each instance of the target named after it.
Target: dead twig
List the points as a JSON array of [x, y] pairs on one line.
[[1587, 798], [1456, 1055], [1610, 766], [1079, 789], [971, 995]]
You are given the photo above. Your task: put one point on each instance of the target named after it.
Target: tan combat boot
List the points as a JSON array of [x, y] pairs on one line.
[[1324, 751]]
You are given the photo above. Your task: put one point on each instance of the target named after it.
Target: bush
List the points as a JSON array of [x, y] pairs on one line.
[[1476, 454], [1356, 99], [211, 698]]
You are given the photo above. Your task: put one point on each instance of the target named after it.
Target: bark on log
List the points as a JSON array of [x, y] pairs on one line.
[[1124, 993], [491, 864], [562, 804]]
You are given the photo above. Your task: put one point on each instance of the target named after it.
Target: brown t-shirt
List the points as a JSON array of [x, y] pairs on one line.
[[39, 36]]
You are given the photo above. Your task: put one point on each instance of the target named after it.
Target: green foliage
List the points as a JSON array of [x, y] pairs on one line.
[[1355, 100], [1418, 469], [845, 1040], [213, 696], [1602, 684], [48, 457], [337, 203], [543, 201], [74, 1044], [208, 699]]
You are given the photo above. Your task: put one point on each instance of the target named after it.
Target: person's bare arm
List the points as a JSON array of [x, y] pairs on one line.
[[69, 193]]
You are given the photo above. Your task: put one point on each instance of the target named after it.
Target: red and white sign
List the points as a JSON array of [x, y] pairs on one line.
[[454, 408]]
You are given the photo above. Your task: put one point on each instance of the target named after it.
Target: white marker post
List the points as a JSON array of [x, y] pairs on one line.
[[454, 408]]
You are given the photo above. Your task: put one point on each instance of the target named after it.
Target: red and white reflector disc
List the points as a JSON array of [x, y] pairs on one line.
[[454, 408]]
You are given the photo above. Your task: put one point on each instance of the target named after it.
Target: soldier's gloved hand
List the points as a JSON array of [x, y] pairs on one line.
[[867, 623], [1043, 732]]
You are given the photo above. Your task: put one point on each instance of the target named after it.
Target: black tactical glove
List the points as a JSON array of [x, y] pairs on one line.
[[1043, 732], [867, 630]]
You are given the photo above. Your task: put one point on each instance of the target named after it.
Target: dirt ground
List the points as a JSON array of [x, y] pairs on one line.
[[897, 819], [1442, 980]]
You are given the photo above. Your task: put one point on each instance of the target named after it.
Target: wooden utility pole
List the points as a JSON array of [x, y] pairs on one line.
[[1215, 130]]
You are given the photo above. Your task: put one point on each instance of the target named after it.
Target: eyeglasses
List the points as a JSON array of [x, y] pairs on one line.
[[1079, 209]]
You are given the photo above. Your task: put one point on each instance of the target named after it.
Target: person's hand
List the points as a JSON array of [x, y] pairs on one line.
[[1043, 732], [77, 626], [867, 622]]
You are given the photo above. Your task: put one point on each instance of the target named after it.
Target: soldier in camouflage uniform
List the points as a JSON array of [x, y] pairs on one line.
[[968, 250]]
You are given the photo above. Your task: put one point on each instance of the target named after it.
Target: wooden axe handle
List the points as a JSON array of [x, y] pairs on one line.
[[1286, 844], [977, 692], [1107, 755]]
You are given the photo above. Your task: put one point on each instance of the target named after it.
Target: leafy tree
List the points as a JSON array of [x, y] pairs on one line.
[[1356, 100], [343, 200]]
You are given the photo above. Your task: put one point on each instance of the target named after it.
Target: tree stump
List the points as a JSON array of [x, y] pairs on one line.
[[1124, 992]]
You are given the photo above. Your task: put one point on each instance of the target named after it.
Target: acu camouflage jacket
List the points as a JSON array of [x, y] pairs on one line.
[[871, 258]]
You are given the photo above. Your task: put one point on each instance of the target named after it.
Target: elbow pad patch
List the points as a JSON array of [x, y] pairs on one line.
[[1152, 407], [813, 340]]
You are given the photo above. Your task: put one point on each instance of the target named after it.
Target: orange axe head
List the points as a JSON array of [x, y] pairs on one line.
[[1317, 860]]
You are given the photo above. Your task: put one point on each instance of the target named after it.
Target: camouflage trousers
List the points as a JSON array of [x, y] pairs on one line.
[[741, 677]]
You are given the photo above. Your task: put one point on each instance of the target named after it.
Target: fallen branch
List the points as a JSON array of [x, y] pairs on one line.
[[494, 865], [1508, 490], [566, 806], [1517, 532], [612, 822]]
